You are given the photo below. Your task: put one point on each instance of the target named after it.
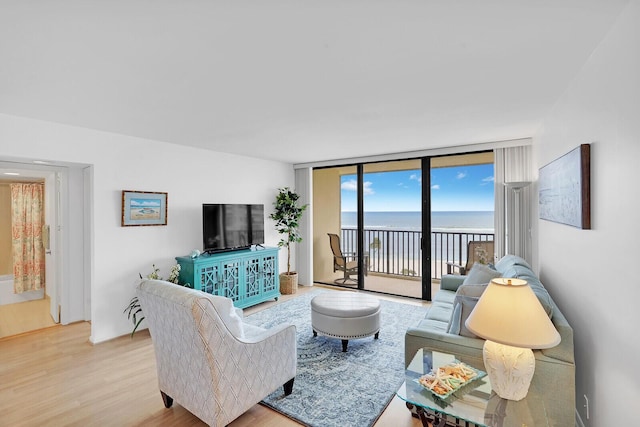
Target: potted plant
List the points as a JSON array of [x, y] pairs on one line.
[[287, 215], [134, 309]]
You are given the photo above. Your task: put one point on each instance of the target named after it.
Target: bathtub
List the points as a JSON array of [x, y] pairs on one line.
[[8, 297]]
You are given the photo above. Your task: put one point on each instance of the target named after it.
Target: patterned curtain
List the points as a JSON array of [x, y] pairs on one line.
[[27, 219]]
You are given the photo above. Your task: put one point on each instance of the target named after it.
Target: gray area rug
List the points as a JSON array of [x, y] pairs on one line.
[[333, 388]]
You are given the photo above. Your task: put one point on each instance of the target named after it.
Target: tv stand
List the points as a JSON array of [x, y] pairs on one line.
[[247, 276]]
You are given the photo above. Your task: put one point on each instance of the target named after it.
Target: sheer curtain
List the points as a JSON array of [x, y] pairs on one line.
[[27, 219], [513, 164]]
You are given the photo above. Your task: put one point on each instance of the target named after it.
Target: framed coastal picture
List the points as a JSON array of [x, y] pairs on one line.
[[143, 208], [564, 189]]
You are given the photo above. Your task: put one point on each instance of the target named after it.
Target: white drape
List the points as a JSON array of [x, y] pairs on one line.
[[304, 250], [513, 164]]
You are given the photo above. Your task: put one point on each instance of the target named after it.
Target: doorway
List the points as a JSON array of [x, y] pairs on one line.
[[392, 227], [66, 213], [375, 210], [28, 308]]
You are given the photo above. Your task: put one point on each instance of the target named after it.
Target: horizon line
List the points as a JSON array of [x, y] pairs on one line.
[[419, 211]]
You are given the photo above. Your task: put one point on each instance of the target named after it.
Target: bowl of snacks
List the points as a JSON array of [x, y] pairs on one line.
[[447, 379]]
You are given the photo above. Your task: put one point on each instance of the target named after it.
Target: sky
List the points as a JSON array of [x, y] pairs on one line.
[[461, 188]]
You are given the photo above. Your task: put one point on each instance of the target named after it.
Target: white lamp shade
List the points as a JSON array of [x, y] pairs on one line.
[[508, 312]]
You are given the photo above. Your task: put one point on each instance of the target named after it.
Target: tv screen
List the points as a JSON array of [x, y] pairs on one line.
[[232, 226]]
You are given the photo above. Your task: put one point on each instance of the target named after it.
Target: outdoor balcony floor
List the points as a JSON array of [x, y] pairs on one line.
[[390, 284]]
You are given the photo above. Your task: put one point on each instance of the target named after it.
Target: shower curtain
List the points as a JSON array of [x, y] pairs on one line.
[[27, 219]]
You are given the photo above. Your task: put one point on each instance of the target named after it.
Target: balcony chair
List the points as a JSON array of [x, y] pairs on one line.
[[477, 251], [208, 360], [341, 261]]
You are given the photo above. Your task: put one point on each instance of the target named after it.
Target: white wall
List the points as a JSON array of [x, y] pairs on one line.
[[593, 274], [190, 177]]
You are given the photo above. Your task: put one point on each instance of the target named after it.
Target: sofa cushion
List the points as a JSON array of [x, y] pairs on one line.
[[432, 325], [444, 296], [252, 332], [226, 310], [465, 300], [439, 311], [509, 261], [541, 293], [451, 282], [480, 274]]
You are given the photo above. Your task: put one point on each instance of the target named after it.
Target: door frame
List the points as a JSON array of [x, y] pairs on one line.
[[425, 224], [425, 163], [69, 283]]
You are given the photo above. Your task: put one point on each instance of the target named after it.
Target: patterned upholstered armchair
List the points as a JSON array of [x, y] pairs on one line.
[[208, 360]]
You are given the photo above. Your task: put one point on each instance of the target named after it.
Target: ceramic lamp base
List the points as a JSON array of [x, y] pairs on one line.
[[510, 369]]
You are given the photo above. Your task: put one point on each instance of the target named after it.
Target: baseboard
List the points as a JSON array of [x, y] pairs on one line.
[[579, 422]]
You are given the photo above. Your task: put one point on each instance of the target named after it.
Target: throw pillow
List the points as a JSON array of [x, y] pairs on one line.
[[226, 310], [464, 302], [236, 323], [509, 261], [480, 274]]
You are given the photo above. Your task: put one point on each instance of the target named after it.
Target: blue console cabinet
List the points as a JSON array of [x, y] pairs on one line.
[[247, 276]]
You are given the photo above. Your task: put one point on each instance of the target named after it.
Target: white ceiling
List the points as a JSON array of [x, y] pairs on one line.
[[297, 80]]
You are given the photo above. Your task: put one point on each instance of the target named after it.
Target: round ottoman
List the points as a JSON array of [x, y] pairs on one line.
[[345, 315]]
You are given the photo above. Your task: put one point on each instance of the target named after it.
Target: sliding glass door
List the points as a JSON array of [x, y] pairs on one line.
[[335, 225], [392, 227], [461, 205], [395, 227], [368, 227]]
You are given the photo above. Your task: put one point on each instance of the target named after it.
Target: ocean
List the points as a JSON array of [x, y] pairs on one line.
[[453, 222], [383, 238]]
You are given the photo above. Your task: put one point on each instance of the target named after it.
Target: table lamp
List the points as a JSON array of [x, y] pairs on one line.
[[510, 318]]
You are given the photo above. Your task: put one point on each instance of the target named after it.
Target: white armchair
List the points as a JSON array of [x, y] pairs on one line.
[[208, 360]]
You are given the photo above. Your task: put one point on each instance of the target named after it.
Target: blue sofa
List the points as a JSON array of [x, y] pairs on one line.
[[555, 367]]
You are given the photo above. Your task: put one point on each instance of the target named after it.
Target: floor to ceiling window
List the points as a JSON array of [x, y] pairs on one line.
[[462, 210], [369, 222], [327, 223]]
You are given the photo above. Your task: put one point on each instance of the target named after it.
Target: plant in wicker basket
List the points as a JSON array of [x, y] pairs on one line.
[[287, 215]]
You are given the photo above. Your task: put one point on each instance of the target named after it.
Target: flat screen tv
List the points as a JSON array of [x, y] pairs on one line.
[[227, 227]]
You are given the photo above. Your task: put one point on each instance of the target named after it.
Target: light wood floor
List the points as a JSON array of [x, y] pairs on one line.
[[55, 377], [24, 317]]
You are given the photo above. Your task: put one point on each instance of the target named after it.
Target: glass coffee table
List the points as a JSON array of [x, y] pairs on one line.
[[473, 405]]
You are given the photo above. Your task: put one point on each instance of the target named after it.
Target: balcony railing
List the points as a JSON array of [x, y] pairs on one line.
[[398, 252]]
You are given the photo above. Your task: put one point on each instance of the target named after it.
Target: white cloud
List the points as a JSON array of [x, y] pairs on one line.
[[352, 185], [435, 187], [367, 188], [461, 175], [487, 180], [416, 177]]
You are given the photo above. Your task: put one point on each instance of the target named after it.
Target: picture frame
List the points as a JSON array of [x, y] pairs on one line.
[[564, 189], [144, 208]]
